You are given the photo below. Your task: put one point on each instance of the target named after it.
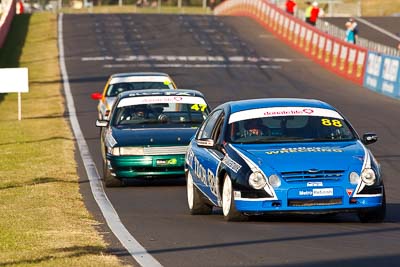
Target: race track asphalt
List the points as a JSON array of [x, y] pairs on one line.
[[189, 48]]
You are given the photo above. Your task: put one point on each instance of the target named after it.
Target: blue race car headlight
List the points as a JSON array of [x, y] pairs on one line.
[[257, 180], [368, 176], [354, 178], [274, 180]]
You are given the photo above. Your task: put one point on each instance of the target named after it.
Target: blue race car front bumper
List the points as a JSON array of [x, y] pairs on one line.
[[336, 199]]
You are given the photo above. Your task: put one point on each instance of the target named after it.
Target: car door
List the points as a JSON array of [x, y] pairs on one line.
[[208, 159]]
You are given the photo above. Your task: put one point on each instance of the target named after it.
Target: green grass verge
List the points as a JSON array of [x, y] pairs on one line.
[[43, 219]]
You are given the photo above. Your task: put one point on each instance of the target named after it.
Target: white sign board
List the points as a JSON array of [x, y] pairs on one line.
[[14, 80]]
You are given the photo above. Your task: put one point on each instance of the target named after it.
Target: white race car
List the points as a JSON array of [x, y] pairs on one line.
[[122, 82]]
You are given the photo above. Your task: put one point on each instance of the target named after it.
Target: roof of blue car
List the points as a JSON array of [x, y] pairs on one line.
[[276, 102], [153, 92]]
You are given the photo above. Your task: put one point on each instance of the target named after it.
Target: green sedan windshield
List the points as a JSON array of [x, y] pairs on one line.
[[159, 115]]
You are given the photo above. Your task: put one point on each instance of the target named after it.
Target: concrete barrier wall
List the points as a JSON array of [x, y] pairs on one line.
[[6, 19], [344, 59]]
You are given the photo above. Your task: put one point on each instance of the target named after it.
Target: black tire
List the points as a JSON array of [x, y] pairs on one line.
[[228, 204], [197, 204], [109, 180], [374, 215]]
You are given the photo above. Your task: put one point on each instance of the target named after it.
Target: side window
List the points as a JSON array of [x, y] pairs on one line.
[[218, 128], [206, 129]]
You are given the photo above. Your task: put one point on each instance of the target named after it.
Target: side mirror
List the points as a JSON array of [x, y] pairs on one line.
[[369, 138], [101, 123], [96, 96], [206, 143]]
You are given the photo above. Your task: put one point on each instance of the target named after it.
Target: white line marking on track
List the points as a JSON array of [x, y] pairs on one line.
[[171, 65], [186, 58], [137, 251]]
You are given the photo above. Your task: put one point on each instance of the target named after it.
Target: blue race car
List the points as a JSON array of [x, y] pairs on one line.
[[279, 156]]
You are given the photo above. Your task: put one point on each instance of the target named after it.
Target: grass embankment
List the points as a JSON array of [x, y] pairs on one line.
[[43, 220], [368, 7], [145, 10], [379, 7]]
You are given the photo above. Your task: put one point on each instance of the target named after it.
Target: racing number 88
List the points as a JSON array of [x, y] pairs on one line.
[[328, 122]]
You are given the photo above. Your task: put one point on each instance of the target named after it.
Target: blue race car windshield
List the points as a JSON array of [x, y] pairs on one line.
[[117, 88], [290, 129], [164, 115]]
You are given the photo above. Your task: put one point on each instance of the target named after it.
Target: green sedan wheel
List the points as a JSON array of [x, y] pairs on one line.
[[109, 180]]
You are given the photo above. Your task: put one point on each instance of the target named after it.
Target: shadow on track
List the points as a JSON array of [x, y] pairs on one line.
[[156, 182]]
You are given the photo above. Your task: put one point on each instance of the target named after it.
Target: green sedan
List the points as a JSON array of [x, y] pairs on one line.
[[148, 133]]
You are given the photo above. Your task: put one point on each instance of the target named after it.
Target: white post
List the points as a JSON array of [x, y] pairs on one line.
[[179, 3], [204, 4], [159, 6], [19, 106]]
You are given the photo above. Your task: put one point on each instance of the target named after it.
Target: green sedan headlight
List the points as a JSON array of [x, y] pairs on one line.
[[257, 180], [131, 151], [114, 151]]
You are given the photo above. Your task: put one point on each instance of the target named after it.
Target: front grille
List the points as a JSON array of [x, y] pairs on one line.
[[164, 150], [155, 169], [314, 202], [299, 176]]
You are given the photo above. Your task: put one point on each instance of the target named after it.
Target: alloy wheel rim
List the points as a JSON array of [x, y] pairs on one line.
[[227, 196], [189, 186]]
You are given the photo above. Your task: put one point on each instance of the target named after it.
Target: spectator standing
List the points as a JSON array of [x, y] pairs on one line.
[[314, 13], [354, 27], [350, 37], [307, 13], [212, 4], [290, 5]]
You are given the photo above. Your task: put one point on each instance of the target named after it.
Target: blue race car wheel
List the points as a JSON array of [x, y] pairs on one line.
[[196, 202], [375, 215], [228, 202]]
